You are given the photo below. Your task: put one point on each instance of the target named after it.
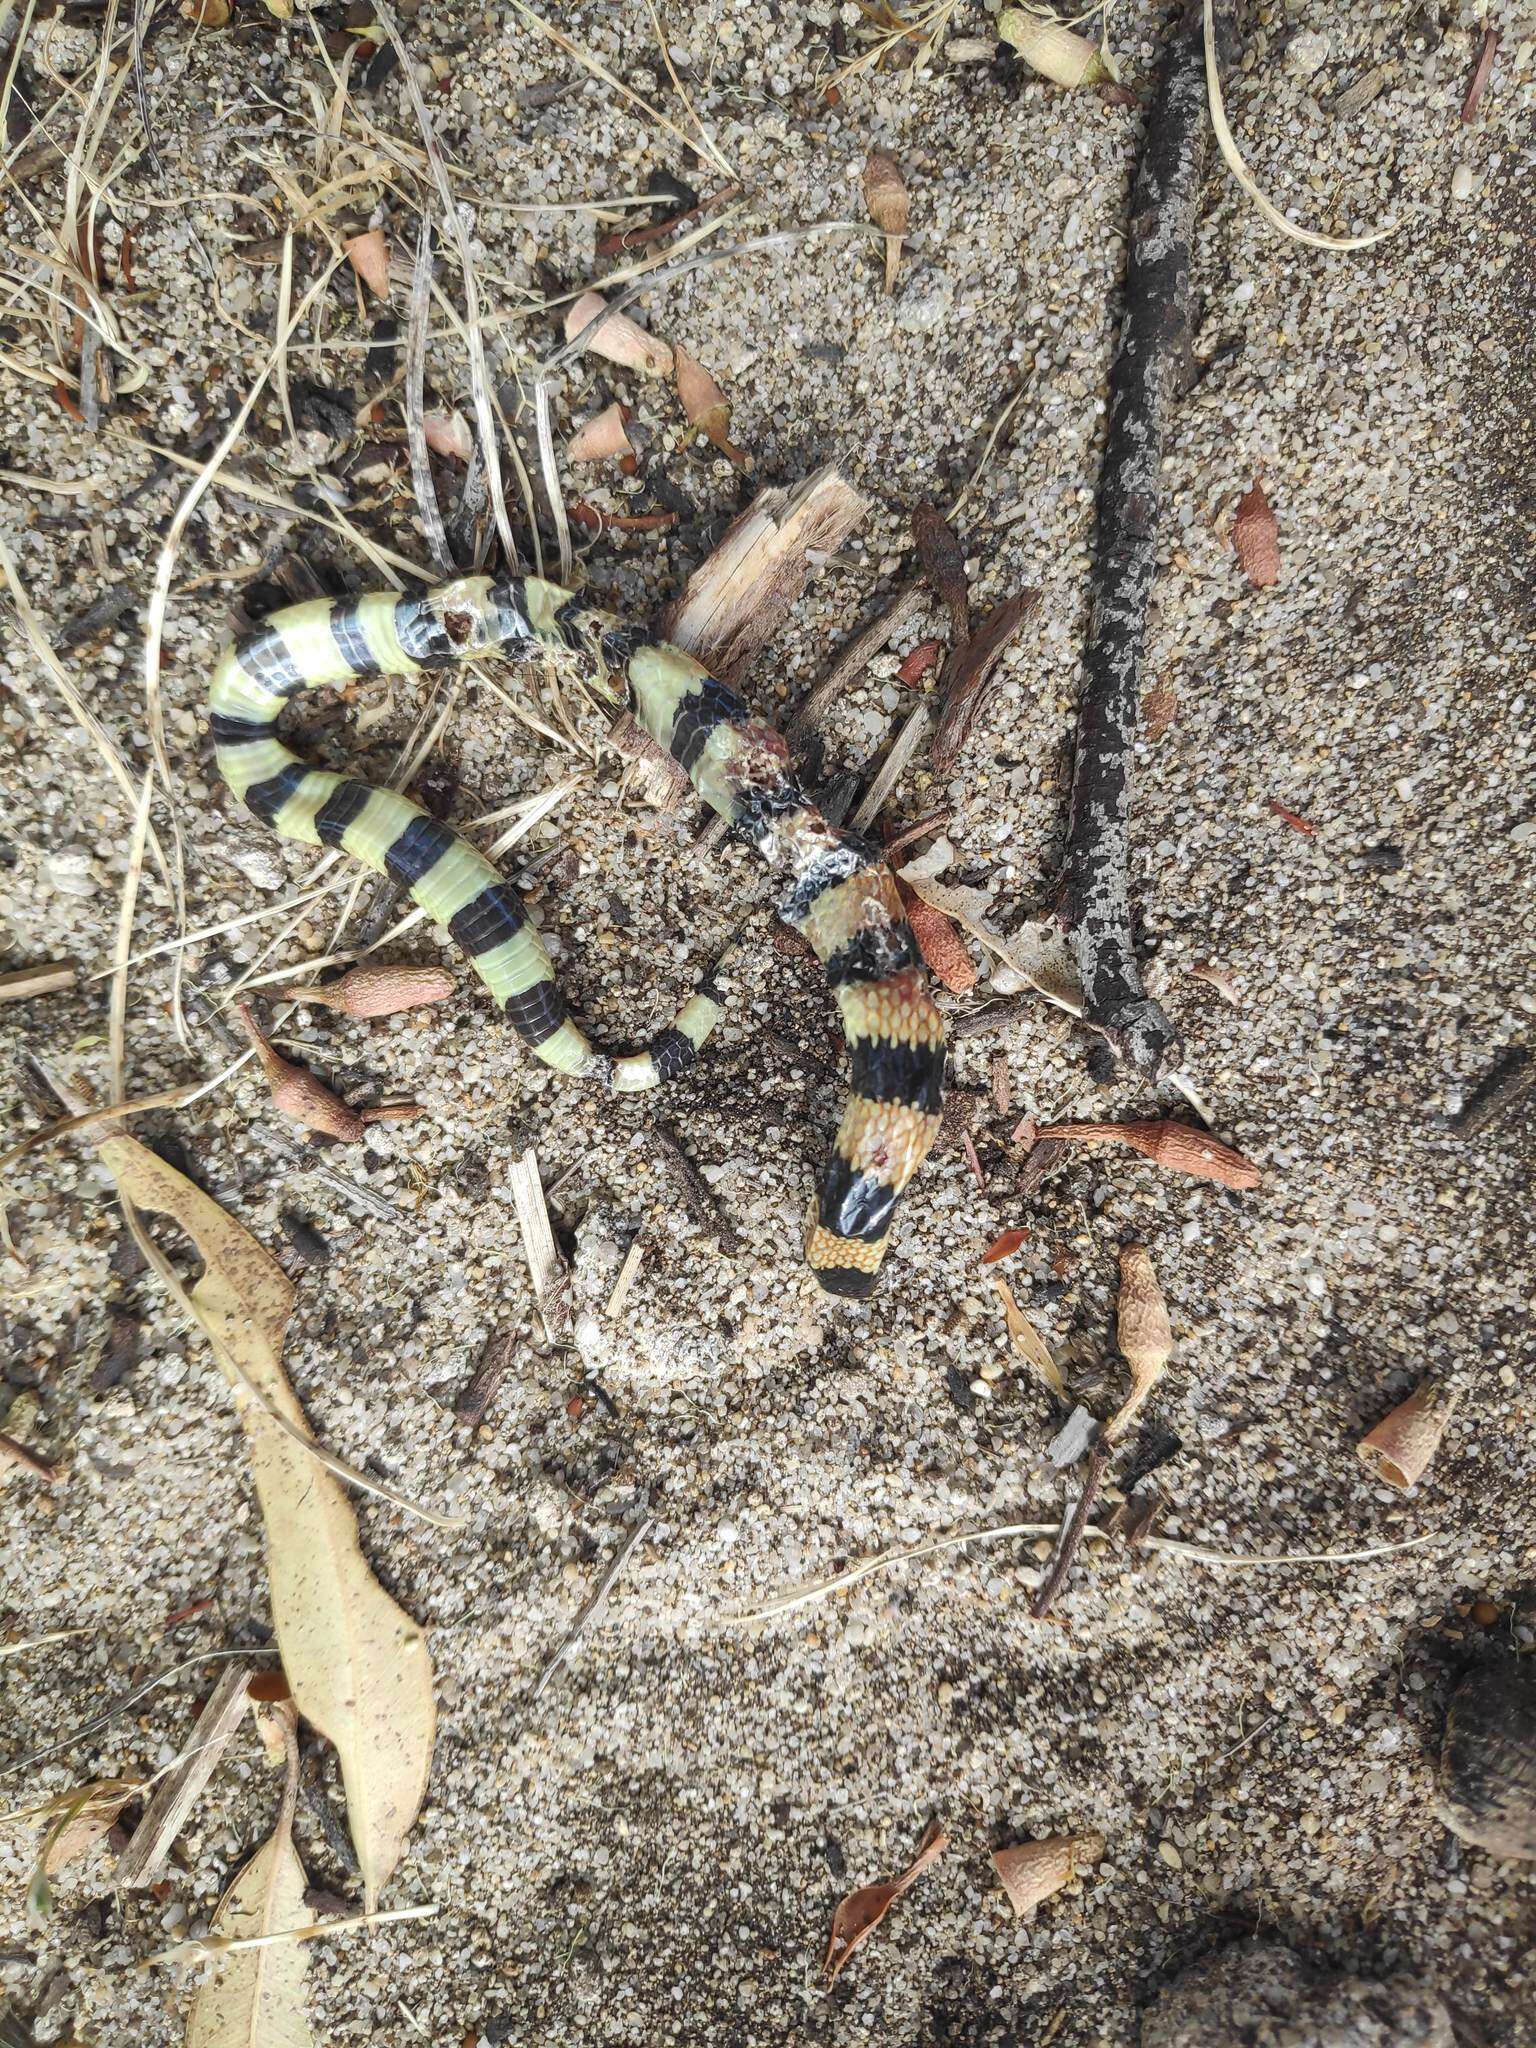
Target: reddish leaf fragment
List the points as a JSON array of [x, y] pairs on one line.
[[924, 656], [593, 521], [1002, 1245], [61, 393], [861, 1912], [1296, 823], [1480, 74], [1159, 708], [1256, 536], [1178, 1147], [125, 261]]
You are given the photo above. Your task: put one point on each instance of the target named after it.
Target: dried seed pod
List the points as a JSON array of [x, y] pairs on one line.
[[301, 1094], [601, 437], [1144, 1332], [1488, 1762], [885, 194], [1400, 1447], [706, 405], [1055, 52], [378, 991], [619, 339], [1256, 537], [1179, 1147], [940, 944], [1033, 1872]]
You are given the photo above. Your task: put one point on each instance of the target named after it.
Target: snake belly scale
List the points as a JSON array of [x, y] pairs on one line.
[[840, 895]]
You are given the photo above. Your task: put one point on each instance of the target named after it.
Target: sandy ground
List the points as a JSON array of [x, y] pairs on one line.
[[652, 1850]]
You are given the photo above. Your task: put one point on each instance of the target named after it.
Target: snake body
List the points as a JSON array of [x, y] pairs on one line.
[[840, 895]]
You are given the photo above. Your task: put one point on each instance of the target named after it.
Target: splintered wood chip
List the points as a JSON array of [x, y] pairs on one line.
[[937, 940], [1256, 536], [861, 1912]]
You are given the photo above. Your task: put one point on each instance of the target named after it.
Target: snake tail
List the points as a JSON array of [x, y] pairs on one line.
[[839, 894]]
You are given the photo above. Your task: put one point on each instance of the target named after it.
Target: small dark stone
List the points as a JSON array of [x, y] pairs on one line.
[[837, 1862], [672, 195], [318, 407], [1382, 860], [959, 1389], [122, 1352], [310, 1245], [1101, 1062]]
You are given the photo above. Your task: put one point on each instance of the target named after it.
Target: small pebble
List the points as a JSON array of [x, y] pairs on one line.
[[1170, 1855], [1461, 182]]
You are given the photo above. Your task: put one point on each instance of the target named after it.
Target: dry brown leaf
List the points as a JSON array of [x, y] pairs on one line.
[[1159, 708], [1027, 1341], [861, 1912], [283, 9], [1036, 953], [206, 13], [357, 1663], [254, 1998], [1256, 536], [1178, 1147], [368, 255]]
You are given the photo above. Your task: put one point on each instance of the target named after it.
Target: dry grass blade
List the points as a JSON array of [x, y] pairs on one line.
[[600, 70], [859, 1914], [89, 723], [118, 1005], [1245, 177], [182, 1786], [546, 1268], [415, 421], [479, 375]]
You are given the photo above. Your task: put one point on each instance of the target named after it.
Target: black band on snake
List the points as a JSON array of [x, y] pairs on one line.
[[840, 894]]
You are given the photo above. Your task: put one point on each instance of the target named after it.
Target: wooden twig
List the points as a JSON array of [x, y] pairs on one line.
[[546, 1268], [182, 1786], [1072, 1536], [50, 979], [18, 1454], [1150, 361], [968, 671], [909, 601], [415, 413], [694, 1189], [740, 595]]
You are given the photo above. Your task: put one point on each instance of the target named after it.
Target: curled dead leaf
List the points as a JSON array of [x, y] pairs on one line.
[[859, 1914], [1222, 979], [706, 406], [206, 13], [1256, 537], [1028, 1342]]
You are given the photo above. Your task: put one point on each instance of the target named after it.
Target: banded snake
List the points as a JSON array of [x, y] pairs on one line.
[[840, 894]]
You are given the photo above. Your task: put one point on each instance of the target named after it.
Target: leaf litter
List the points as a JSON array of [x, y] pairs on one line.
[[861, 1912]]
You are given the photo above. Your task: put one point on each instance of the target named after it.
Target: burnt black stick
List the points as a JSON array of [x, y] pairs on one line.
[[1148, 375]]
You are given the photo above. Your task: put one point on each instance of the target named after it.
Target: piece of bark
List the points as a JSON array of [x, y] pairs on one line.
[[740, 595], [1149, 361], [14, 1453], [968, 671], [50, 978], [182, 1786], [473, 1402], [943, 563], [1498, 1094]]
